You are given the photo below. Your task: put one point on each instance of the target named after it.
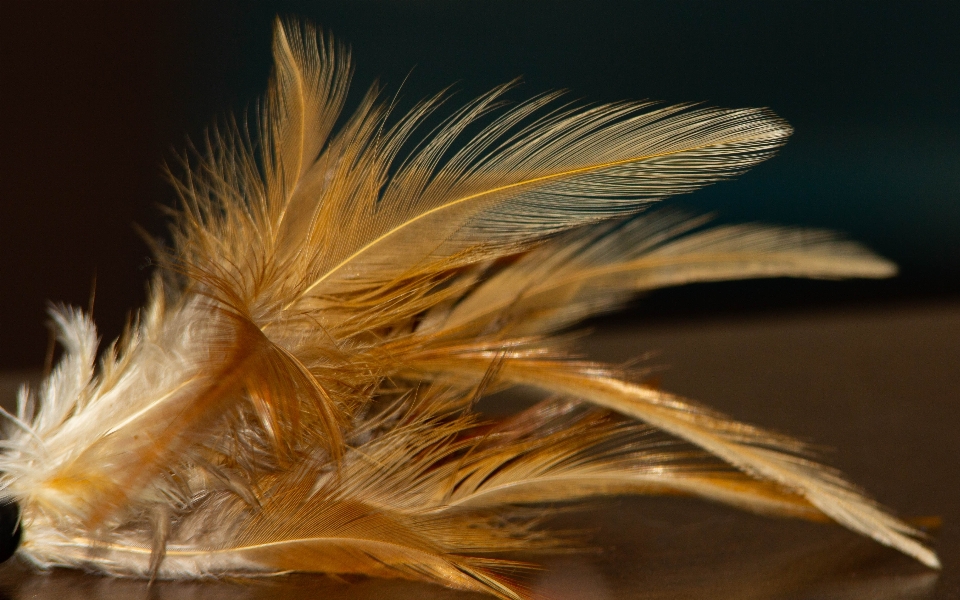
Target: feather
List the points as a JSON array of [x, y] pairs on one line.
[[588, 272], [297, 394], [761, 454]]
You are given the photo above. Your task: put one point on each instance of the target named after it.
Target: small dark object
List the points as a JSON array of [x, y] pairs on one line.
[[9, 529]]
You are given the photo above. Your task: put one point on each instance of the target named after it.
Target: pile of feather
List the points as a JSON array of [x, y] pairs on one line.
[[298, 393]]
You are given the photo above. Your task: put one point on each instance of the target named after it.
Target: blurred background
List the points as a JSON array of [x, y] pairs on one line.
[[96, 96]]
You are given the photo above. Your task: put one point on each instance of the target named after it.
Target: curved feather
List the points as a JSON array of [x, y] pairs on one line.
[[558, 452], [759, 453], [316, 215], [598, 269], [568, 169]]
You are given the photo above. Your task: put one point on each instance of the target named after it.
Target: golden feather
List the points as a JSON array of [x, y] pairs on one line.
[[297, 394]]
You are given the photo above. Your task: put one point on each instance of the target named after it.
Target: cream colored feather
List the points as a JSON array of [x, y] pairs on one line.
[[297, 394]]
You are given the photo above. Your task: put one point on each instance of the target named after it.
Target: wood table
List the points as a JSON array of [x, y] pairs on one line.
[[879, 387]]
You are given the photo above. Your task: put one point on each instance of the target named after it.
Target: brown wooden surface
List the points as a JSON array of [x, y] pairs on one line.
[[879, 386]]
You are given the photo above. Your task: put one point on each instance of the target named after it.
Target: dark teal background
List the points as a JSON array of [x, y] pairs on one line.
[[96, 96]]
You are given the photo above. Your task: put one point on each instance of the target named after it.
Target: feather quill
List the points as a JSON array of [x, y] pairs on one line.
[[297, 394]]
